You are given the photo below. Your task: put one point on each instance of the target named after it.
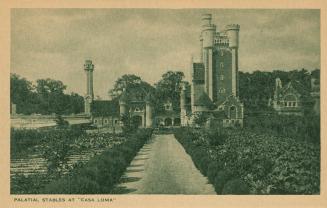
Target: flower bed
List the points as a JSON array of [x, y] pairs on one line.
[[242, 162]]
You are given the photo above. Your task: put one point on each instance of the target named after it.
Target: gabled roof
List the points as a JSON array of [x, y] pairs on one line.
[[105, 108], [231, 100], [203, 100], [294, 86]]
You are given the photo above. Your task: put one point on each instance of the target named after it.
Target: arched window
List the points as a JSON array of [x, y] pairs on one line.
[[168, 122], [177, 122], [232, 112]]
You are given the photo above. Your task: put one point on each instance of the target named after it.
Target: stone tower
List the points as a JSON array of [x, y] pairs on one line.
[[216, 74], [88, 68], [207, 43], [232, 32]]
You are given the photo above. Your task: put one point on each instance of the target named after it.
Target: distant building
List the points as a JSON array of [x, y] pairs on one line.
[[287, 99], [168, 116], [295, 99], [214, 87], [136, 104]]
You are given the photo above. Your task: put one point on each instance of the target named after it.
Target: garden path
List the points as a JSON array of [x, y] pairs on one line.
[[163, 167]]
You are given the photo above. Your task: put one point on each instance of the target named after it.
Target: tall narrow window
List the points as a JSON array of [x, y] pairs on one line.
[[221, 77], [221, 65]]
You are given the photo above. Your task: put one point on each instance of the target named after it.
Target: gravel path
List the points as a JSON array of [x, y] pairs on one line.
[[163, 167]]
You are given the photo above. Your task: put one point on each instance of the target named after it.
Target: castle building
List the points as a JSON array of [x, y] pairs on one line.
[[136, 104], [214, 86]]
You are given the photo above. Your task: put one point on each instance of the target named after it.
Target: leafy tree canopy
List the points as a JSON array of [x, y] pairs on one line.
[[46, 97], [128, 82], [168, 88]]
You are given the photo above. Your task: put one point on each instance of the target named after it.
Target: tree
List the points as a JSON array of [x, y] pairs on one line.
[[22, 94], [51, 95], [169, 88], [200, 118], [127, 82], [46, 97]]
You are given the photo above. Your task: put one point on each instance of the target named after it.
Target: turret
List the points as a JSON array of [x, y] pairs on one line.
[[88, 68], [123, 102], [148, 111], [278, 84], [232, 32], [208, 31]]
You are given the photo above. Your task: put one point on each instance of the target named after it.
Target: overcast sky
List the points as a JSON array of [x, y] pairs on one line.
[[53, 43]]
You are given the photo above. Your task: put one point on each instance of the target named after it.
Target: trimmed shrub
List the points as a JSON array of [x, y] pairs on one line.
[[213, 168], [72, 185], [236, 187], [216, 136], [221, 179]]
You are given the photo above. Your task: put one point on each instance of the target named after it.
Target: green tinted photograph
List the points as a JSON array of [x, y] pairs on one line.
[[165, 101]]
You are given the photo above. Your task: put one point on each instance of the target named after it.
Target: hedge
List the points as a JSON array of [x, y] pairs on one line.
[[246, 162], [193, 142], [102, 172]]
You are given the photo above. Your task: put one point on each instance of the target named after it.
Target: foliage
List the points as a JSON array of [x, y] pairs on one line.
[[236, 186], [130, 124], [305, 128], [267, 163], [200, 118], [128, 82], [168, 88], [27, 184], [23, 139], [102, 172], [257, 87], [222, 177], [46, 97], [73, 141]]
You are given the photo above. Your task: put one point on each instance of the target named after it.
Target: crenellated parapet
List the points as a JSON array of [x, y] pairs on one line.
[[232, 27]]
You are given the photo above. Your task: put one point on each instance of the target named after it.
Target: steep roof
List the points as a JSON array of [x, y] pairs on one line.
[[296, 87], [198, 72], [203, 100], [105, 108]]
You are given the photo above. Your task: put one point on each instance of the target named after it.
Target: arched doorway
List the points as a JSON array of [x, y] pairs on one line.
[[168, 122], [177, 122], [137, 121], [232, 112]]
